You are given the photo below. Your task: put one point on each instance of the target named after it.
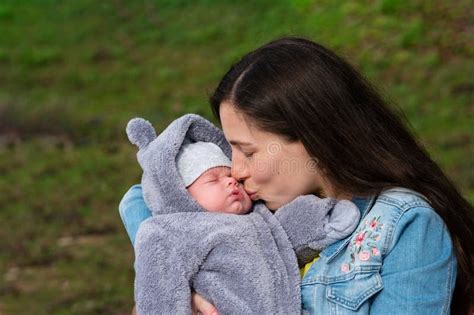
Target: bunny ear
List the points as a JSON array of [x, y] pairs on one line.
[[140, 132]]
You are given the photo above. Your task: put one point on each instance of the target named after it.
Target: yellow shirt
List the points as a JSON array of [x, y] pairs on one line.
[[306, 267]]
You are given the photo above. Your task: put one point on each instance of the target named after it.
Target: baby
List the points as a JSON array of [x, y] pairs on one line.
[[205, 171], [203, 236]]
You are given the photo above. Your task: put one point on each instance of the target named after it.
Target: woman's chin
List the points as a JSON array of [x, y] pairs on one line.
[[272, 205]]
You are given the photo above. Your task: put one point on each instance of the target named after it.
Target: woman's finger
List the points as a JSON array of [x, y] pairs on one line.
[[200, 305]]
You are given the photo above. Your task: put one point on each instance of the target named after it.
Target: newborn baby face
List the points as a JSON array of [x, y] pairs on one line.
[[216, 191]]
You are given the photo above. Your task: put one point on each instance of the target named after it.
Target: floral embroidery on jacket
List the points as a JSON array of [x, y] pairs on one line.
[[364, 245]]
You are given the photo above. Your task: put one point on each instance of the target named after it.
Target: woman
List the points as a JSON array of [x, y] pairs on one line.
[[301, 120]]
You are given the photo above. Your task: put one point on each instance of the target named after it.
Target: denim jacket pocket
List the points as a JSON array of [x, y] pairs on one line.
[[353, 292]]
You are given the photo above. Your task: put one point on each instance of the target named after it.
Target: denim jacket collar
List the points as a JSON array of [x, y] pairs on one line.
[[364, 204]]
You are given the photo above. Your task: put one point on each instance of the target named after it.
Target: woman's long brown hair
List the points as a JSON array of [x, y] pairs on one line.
[[300, 90]]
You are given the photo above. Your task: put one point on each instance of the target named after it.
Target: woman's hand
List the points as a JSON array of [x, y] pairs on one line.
[[200, 305]]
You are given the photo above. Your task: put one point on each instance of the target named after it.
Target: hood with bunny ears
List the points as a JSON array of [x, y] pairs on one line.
[[163, 189]]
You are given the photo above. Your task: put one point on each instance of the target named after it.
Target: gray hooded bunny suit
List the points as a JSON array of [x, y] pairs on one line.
[[243, 264]]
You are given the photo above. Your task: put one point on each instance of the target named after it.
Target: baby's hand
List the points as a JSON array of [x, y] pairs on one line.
[[312, 223], [304, 218]]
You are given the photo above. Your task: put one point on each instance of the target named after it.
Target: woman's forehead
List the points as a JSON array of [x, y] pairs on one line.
[[234, 125], [238, 131]]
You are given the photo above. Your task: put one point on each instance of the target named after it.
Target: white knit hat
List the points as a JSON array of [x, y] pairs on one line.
[[193, 159]]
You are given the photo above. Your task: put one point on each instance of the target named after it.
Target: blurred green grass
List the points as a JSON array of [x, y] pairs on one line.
[[73, 72]]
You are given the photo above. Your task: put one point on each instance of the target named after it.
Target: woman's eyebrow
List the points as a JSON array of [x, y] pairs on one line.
[[236, 142]]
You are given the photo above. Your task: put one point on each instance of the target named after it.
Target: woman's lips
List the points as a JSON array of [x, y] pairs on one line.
[[252, 194]]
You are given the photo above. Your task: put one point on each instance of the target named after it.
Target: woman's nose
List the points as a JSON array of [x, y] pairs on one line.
[[239, 170]]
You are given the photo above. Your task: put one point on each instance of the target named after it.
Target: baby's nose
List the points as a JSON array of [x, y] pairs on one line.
[[232, 181]]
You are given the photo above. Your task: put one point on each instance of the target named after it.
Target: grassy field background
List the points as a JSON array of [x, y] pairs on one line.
[[72, 73]]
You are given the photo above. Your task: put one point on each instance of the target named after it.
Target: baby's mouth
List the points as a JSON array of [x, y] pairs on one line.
[[236, 192]]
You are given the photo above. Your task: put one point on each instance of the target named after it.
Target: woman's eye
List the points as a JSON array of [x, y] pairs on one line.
[[247, 155]]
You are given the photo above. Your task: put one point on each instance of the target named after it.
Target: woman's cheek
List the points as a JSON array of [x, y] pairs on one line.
[[258, 170]]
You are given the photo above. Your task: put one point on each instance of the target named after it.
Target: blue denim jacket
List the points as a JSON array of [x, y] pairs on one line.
[[399, 260]]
